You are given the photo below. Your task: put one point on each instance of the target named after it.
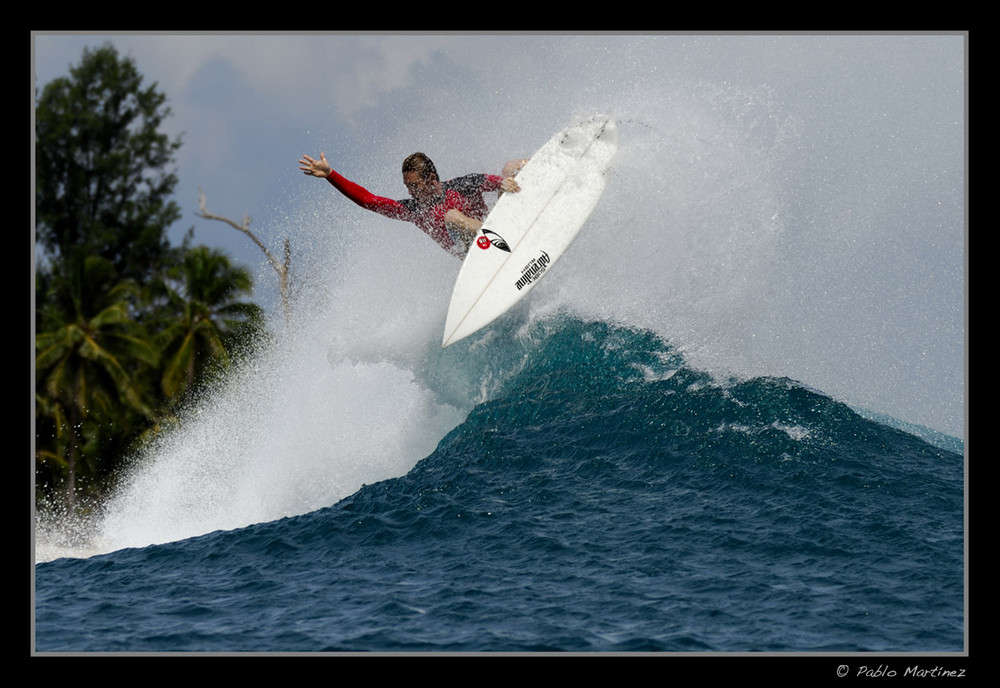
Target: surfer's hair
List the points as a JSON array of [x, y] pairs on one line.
[[421, 164]]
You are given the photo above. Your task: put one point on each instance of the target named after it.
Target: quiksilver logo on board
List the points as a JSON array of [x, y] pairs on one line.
[[533, 270], [491, 238]]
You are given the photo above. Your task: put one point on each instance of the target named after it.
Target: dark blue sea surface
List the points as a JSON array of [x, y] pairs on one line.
[[609, 498]]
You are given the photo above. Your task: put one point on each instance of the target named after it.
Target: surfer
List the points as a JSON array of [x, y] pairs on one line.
[[449, 212]]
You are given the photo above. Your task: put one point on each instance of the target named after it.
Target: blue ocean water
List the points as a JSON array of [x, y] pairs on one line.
[[606, 497]]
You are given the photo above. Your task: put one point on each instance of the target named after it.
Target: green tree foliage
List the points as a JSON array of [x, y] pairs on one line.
[[101, 178], [88, 353], [127, 326], [202, 320]]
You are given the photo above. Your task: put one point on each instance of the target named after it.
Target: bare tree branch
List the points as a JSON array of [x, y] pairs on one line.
[[281, 268]]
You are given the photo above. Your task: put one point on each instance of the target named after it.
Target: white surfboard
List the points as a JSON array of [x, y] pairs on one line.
[[526, 232]]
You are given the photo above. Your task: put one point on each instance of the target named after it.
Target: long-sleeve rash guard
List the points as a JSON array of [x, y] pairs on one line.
[[464, 194]]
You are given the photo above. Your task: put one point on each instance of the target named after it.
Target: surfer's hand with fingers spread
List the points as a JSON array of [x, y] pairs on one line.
[[315, 168]]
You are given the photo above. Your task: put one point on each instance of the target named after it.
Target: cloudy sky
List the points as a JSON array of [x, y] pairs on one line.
[[847, 152]]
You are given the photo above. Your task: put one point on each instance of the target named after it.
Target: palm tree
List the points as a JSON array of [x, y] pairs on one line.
[[88, 355], [203, 321]]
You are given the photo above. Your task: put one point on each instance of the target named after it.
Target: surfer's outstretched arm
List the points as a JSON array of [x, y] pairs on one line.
[[355, 192]]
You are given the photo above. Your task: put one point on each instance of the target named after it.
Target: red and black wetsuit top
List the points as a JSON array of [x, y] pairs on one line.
[[464, 194]]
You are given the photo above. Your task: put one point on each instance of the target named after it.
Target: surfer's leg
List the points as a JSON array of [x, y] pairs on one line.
[[461, 226]]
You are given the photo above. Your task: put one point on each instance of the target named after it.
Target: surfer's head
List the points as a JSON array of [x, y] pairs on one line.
[[421, 164], [421, 177]]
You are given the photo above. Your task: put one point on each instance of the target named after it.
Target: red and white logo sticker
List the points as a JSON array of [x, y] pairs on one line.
[[495, 240]]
